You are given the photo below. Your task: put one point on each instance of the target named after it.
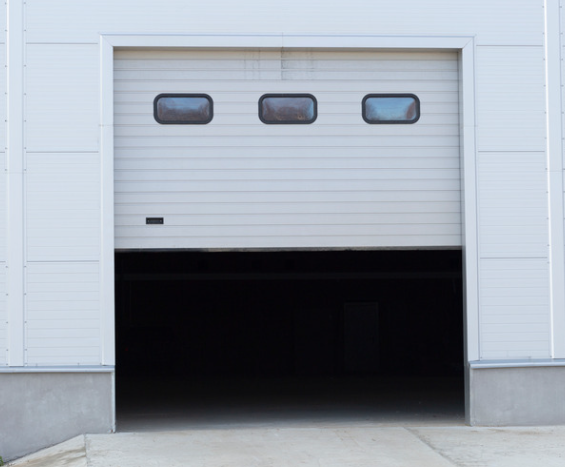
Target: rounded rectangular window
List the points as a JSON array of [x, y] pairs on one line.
[[391, 108], [183, 109], [288, 109]]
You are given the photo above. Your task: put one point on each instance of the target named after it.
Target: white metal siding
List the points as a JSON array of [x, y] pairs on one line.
[[62, 98], [512, 198], [515, 322], [3, 208], [513, 202], [511, 99], [502, 22], [3, 82], [63, 206], [3, 177], [508, 112], [3, 317], [3, 198], [62, 314], [563, 98], [3, 226], [238, 183]]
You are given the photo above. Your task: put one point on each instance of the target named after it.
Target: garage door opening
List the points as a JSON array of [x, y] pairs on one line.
[[288, 336]]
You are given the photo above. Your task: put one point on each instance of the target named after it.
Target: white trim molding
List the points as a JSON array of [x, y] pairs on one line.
[[475, 365], [107, 326], [554, 141], [58, 369], [465, 45]]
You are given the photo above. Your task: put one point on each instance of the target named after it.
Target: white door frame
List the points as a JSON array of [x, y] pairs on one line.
[[464, 45]]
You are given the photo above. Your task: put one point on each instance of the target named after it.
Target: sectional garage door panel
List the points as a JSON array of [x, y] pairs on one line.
[[239, 183]]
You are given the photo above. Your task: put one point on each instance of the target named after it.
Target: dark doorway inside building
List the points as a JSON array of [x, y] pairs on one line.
[[244, 337]]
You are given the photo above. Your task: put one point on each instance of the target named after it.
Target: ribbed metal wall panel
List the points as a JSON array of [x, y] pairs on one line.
[[62, 73], [3, 116], [62, 98], [513, 205], [3, 209], [515, 321], [3, 192], [3, 198], [3, 94], [512, 197], [238, 183], [3, 317], [63, 314], [502, 22], [562, 4], [63, 206], [511, 99]]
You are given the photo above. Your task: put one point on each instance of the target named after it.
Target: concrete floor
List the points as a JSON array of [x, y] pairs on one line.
[[150, 406], [307, 423], [344, 445]]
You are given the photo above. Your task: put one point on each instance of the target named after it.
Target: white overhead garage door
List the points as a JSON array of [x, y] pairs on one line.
[[237, 182]]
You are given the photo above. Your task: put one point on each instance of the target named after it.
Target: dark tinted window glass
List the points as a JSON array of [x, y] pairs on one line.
[[187, 109], [391, 108], [287, 108]]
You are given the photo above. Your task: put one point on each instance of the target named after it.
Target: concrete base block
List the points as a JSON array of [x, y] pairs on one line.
[[41, 409], [516, 396]]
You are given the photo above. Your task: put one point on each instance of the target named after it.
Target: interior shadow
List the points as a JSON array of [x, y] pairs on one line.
[[288, 337]]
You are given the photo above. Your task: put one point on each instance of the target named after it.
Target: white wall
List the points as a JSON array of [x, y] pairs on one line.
[[3, 317], [513, 229], [63, 313], [62, 138], [502, 22], [3, 226], [3, 194]]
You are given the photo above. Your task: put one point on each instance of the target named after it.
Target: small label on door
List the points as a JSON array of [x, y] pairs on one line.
[[154, 220]]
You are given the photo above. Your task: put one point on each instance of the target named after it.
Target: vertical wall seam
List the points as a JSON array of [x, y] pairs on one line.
[[25, 180], [475, 156], [554, 148], [106, 271], [470, 193]]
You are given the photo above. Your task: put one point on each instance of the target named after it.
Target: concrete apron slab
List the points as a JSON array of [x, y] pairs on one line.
[[500, 447], [328, 447], [336, 446], [284, 447], [71, 453]]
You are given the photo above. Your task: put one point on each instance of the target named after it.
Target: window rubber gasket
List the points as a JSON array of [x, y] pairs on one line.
[[390, 122], [289, 121], [183, 122]]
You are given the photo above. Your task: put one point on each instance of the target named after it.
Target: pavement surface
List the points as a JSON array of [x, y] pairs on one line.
[[334, 445]]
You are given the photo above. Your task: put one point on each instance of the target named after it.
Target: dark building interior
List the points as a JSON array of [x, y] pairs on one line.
[[273, 330]]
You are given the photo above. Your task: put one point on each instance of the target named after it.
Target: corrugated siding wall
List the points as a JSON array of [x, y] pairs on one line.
[[62, 205], [237, 183], [512, 188], [3, 227], [504, 22], [562, 5], [3, 196], [63, 314], [63, 65], [3, 318]]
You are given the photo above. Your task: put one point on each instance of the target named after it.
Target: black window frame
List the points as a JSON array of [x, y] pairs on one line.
[[288, 122], [183, 122], [390, 122]]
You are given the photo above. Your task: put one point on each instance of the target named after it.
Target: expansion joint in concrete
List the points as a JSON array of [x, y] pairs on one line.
[[430, 446]]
